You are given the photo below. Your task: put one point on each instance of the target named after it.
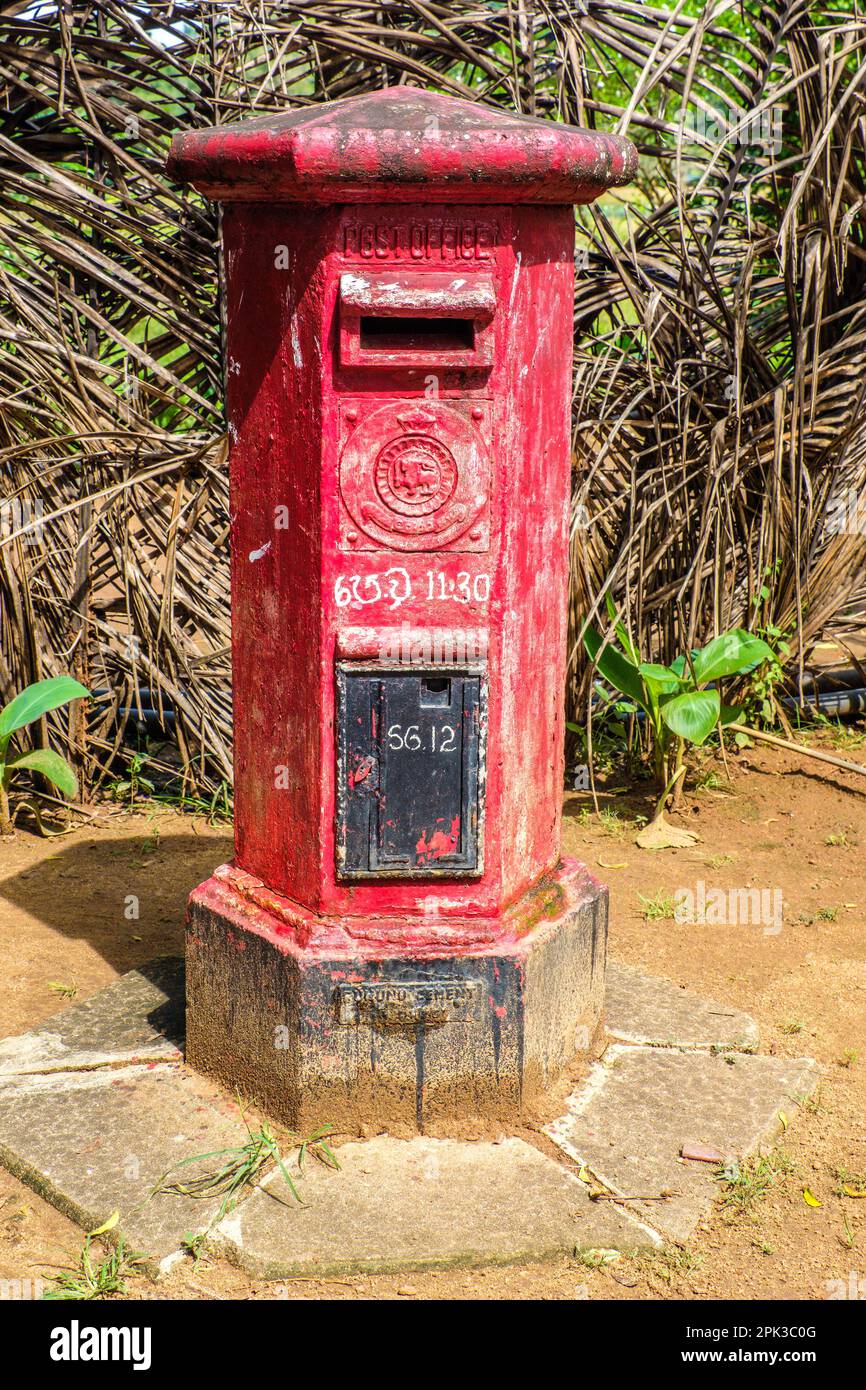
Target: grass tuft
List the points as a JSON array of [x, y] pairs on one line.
[[91, 1278]]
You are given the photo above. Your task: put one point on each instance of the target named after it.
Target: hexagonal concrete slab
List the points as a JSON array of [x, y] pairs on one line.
[[640, 1105], [641, 1008], [421, 1204], [92, 1142], [139, 1018], [92, 1129]]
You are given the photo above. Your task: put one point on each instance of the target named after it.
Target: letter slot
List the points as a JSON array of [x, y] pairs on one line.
[[422, 318]]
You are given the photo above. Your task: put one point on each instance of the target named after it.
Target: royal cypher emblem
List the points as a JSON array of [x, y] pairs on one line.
[[415, 479]]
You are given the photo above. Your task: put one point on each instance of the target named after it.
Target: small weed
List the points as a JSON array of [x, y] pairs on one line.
[[95, 1279], [710, 781], [839, 840], [673, 1260], [217, 808], [718, 861], [596, 1259], [828, 914], [856, 1182], [812, 1104], [764, 1246], [762, 700], [65, 991], [746, 1184], [848, 1058], [840, 734], [659, 908], [789, 1026], [612, 823], [151, 844], [195, 1245], [134, 787], [848, 1238], [243, 1165]]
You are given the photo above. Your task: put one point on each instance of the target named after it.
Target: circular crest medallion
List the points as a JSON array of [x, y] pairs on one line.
[[415, 475]]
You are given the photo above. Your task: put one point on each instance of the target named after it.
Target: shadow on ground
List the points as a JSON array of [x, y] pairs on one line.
[[123, 897]]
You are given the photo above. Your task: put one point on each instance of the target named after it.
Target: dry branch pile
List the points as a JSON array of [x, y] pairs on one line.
[[720, 327]]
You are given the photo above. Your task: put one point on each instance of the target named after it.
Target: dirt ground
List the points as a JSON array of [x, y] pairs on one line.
[[781, 823]]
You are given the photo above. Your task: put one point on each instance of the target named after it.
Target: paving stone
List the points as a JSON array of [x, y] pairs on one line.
[[92, 1142], [138, 1018], [419, 1204], [640, 1105], [641, 1008]]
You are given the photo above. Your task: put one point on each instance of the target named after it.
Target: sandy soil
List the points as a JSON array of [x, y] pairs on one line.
[[784, 824]]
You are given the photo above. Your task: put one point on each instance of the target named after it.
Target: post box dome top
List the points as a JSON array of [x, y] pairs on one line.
[[400, 144]]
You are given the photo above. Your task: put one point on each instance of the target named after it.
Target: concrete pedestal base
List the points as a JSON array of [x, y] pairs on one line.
[[384, 1028]]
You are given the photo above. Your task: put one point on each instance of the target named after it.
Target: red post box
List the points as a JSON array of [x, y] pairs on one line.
[[397, 940]]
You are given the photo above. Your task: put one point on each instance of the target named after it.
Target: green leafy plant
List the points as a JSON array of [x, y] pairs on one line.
[[678, 701], [613, 744], [242, 1166], [134, 786], [760, 700], [95, 1278], [659, 908], [30, 705], [747, 1183]]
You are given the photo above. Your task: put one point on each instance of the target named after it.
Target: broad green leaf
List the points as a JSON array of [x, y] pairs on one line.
[[692, 715], [664, 679], [621, 631], [35, 700], [730, 714], [614, 667], [51, 765], [730, 654]]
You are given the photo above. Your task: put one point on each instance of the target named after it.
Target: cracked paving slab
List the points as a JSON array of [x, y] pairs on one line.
[[92, 1142], [641, 1008], [639, 1106], [423, 1203], [139, 1018]]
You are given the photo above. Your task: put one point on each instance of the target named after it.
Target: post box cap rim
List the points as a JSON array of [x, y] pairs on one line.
[[401, 144]]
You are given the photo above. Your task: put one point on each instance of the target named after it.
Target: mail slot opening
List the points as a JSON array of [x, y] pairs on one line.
[[435, 690], [380, 333]]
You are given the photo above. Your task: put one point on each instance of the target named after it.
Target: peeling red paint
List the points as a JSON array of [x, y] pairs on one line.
[[361, 772], [392, 145], [440, 844], [232, 895], [459, 523]]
